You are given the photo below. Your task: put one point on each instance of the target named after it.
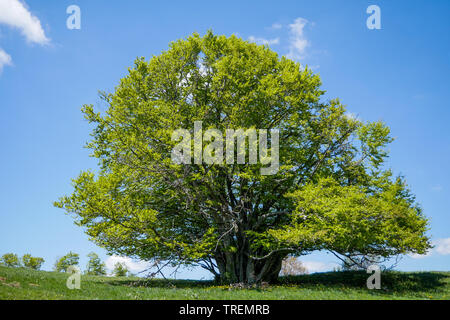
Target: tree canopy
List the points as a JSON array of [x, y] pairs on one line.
[[71, 259], [95, 266], [10, 260], [333, 190], [120, 269], [32, 262]]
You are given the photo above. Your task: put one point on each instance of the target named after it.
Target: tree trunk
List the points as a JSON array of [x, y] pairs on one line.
[[236, 263], [238, 267]]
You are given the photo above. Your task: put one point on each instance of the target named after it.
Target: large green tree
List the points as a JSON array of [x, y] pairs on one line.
[[332, 190]]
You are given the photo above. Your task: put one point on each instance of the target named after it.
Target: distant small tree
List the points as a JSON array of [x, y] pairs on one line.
[[70, 259], [291, 266], [32, 262], [95, 266], [120, 269], [10, 260]]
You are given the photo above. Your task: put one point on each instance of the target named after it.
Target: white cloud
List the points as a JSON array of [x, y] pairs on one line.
[[276, 26], [443, 246], [132, 265], [14, 13], [5, 59], [351, 116], [437, 188], [263, 40], [421, 256], [297, 41], [316, 266]]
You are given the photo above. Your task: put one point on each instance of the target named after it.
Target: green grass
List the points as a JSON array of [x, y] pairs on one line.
[[20, 283]]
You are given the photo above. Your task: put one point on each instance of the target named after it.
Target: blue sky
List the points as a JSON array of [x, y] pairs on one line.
[[398, 74]]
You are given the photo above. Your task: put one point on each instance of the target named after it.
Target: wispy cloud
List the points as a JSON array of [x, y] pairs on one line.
[[317, 266], [132, 265], [421, 256], [276, 26], [297, 39], [443, 246], [263, 40], [15, 14], [5, 59], [352, 116], [437, 188]]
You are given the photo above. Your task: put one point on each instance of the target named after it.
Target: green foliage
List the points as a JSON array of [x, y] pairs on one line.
[[355, 220], [10, 260], [95, 266], [32, 262], [120, 269], [332, 191], [70, 259]]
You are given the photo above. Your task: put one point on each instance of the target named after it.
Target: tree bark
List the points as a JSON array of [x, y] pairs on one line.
[[240, 267]]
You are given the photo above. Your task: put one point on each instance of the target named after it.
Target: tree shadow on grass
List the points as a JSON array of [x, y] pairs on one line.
[[391, 281]]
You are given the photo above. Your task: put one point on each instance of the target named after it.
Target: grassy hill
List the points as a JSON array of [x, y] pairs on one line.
[[20, 283]]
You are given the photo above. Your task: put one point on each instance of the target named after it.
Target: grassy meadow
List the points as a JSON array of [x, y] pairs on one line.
[[22, 283]]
